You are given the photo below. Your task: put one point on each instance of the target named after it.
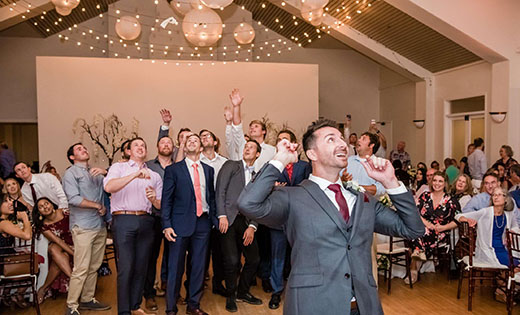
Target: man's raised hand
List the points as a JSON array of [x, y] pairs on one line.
[[166, 116], [381, 170], [236, 99], [287, 152]]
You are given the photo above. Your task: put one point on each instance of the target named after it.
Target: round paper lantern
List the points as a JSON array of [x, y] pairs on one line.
[[184, 6], [315, 4], [216, 4], [128, 27], [312, 16], [202, 27], [66, 4], [244, 33], [63, 11]]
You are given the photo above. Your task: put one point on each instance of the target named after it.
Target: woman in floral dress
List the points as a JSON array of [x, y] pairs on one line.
[[438, 209]]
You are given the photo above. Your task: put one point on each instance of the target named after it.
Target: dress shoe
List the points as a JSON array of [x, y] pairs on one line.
[[231, 305], [195, 311], [249, 298], [140, 311], [151, 304], [266, 285], [171, 313], [274, 303]]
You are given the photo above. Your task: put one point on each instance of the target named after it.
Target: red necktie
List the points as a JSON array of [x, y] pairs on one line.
[[340, 199], [196, 186], [289, 169]]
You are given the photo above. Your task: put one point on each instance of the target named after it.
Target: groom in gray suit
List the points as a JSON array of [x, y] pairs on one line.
[[329, 227]]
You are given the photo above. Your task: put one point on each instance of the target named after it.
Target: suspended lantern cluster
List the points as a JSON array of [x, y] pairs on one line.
[[65, 7], [312, 11]]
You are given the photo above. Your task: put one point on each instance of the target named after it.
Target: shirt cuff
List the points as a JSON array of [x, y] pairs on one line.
[[222, 216], [277, 164], [398, 190], [237, 127], [163, 127], [254, 227]]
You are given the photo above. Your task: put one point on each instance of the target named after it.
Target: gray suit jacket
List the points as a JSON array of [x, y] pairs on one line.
[[230, 183], [331, 260]]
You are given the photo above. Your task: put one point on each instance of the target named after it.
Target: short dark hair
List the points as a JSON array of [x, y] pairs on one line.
[[135, 139], [434, 162], [20, 162], [258, 146], [478, 142], [309, 137], [374, 139], [195, 135], [290, 133], [70, 151], [447, 162], [211, 133], [490, 173], [397, 164], [181, 131], [353, 134], [261, 123], [515, 169], [124, 146]]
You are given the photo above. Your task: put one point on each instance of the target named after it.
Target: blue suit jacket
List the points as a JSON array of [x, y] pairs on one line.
[[301, 171], [179, 205]]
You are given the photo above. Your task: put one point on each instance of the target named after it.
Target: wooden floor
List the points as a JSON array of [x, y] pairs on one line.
[[433, 294]]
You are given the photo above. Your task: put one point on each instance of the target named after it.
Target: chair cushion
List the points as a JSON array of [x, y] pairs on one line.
[[478, 264], [385, 249]]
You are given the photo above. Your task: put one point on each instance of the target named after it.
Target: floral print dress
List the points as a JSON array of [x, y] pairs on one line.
[[443, 214]]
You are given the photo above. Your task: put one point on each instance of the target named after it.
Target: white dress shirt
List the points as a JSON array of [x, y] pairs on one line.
[[202, 178], [216, 163], [237, 143], [45, 185]]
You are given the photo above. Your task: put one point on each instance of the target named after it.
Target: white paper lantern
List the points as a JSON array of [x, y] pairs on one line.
[[63, 11], [314, 4], [216, 4], [202, 27], [65, 4], [128, 27], [244, 33], [315, 17], [184, 6]]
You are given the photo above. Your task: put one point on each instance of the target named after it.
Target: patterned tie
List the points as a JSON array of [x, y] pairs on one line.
[[33, 192], [340, 199], [196, 186]]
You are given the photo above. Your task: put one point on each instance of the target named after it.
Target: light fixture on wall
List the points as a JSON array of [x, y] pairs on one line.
[[498, 117], [419, 123]]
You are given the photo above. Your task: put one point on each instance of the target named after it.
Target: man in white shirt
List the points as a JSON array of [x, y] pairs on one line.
[[40, 185], [477, 162], [257, 132]]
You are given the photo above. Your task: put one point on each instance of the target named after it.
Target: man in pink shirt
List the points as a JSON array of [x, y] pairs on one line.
[[134, 188]]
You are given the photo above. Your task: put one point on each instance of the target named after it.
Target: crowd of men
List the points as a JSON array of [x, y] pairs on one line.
[[185, 200]]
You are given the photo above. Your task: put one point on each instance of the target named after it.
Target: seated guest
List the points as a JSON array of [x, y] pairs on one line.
[[462, 190], [14, 193], [492, 222], [437, 209], [423, 188], [435, 165], [401, 174], [53, 223], [420, 179], [500, 169], [9, 229], [506, 158], [421, 165], [238, 232]]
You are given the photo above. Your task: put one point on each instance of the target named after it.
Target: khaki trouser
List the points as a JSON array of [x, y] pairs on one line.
[[89, 249]]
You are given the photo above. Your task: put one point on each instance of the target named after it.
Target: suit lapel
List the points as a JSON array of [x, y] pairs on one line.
[[241, 173], [321, 198], [187, 175], [356, 212], [296, 172]]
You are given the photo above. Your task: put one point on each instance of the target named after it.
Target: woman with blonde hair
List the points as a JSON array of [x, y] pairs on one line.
[[13, 193], [462, 189]]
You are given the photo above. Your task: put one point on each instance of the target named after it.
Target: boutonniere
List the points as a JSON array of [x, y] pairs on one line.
[[386, 201], [352, 184]]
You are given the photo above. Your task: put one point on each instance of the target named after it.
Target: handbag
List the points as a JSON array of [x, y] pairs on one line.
[[17, 268]]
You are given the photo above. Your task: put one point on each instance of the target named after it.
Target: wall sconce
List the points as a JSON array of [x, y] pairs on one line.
[[419, 123], [498, 117]]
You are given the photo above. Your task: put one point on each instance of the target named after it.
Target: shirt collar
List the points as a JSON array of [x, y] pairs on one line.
[[203, 157], [190, 162], [83, 167], [323, 183], [133, 163], [358, 158]]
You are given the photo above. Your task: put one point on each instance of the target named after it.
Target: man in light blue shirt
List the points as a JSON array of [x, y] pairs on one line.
[[483, 200], [366, 145]]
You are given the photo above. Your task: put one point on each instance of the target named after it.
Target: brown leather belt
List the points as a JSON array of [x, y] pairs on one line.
[[353, 305], [119, 212]]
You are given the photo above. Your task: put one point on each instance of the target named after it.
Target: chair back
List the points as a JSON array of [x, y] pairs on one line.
[[513, 248], [19, 259], [467, 237]]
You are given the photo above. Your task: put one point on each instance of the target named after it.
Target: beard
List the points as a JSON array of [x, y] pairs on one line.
[[165, 152]]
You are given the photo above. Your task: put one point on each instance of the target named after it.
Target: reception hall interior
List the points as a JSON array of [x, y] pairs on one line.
[[130, 131]]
